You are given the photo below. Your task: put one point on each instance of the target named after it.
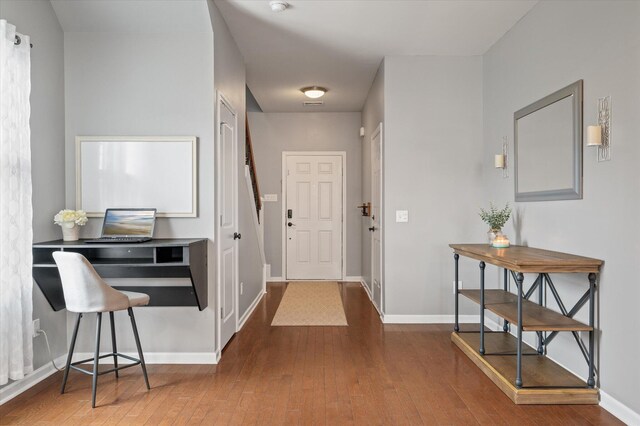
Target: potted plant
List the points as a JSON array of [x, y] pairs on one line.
[[70, 222], [495, 219]]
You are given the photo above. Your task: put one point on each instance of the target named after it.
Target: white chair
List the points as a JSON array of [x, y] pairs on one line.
[[85, 292]]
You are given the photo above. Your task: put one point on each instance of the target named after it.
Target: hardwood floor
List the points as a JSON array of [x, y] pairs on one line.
[[367, 374]]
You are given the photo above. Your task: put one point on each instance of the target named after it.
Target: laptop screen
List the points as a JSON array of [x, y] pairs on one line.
[[128, 223]]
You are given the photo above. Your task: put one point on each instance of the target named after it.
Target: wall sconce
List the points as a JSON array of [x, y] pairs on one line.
[[500, 160], [600, 135]]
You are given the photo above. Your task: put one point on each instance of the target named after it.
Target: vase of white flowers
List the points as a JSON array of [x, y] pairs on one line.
[[495, 219], [70, 221]]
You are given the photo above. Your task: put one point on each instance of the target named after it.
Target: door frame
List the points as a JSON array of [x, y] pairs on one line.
[[222, 100], [283, 182], [377, 132]]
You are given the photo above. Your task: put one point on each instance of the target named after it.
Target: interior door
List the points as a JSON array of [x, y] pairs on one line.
[[228, 222], [376, 217], [313, 219]]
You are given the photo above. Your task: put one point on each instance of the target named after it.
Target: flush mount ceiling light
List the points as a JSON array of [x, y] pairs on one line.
[[278, 5], [314, 92]]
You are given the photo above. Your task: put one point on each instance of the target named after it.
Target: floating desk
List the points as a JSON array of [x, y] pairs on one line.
[[161, 258], [525, 374]]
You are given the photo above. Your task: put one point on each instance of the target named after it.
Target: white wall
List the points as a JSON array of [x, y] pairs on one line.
[[556, 44], [372, 116], [148, 84], [273, 133], [38, 20], [433, 154]]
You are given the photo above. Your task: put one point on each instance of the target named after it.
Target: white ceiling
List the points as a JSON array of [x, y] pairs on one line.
[[133, 16], [339, 44]]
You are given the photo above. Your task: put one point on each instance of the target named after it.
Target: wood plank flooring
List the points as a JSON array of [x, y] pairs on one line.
[[364, 374]]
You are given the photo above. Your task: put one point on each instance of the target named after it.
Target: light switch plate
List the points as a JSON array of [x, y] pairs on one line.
[[270, 197], [402, 216]]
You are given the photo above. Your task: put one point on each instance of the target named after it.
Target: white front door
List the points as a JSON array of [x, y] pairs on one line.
[[227, 259], [313, 217], [376, 217]]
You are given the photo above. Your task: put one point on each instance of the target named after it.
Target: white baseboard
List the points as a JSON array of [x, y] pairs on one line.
[[250, 310], [276, 279], [14, 389], [366, 289], [353, 279], [618, 409], [266, 271], [159, 357], [439, 319]]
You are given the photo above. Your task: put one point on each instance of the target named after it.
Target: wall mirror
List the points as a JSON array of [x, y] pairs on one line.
[[548, 147]]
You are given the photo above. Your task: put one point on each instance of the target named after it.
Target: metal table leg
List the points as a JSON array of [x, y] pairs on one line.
[[456, 326], [505, 279], [592, 292], [482, 266], [519, 282], [540, 302]]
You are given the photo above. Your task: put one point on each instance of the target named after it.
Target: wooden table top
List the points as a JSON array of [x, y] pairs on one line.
[[528, 259]]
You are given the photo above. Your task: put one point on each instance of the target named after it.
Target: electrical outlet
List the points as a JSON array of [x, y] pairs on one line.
[[454, 286], [241, 288], [36, 327]]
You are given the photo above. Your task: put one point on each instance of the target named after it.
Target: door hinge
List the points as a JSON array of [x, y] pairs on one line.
[[221, 313], [222, 123]]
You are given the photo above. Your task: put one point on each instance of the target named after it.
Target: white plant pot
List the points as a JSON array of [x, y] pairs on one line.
[[70, 231]]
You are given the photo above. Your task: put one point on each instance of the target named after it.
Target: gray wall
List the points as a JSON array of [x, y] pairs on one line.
[[230, 80], [273, 133], [148, 84], [372, 116], [37, 19], [433, 169], [600, 43]]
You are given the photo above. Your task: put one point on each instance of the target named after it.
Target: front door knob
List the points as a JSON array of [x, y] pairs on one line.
[[237, 235], [290, 224], [372, 229]]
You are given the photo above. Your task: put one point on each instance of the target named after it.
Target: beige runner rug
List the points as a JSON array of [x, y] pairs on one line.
[[310, 303]]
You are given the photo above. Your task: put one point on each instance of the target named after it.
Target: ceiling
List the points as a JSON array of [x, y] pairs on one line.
[[339, 44], [133, 16]]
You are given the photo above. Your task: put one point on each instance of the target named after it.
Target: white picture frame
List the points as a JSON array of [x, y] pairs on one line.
[[137, 172]]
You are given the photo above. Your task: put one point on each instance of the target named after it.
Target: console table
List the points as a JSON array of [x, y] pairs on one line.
[[161, 258], [501, 355]]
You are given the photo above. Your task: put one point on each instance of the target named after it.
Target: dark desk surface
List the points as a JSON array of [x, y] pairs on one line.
[[160, 242], [158, 258]]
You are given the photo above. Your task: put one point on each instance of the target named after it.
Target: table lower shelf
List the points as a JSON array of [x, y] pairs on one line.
[[534, 316], [541, 376]]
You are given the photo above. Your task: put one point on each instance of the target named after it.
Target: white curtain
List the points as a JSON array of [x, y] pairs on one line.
[[16, 233]]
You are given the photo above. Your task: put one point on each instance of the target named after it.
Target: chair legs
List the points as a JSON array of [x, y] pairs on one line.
[[113, 343], [135, 335], [96, 358], [70, 355]]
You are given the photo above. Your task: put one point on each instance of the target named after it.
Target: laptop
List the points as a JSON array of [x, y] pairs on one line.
[[127, 226]]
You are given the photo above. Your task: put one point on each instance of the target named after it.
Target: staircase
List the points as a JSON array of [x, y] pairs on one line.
[[251, 178], [250, 162]]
